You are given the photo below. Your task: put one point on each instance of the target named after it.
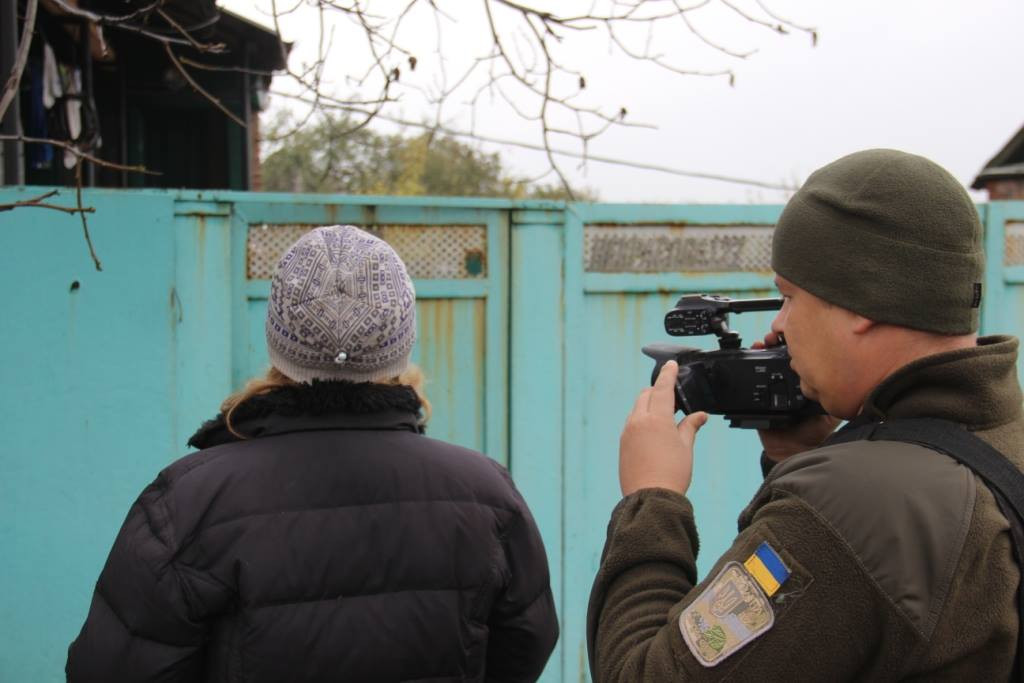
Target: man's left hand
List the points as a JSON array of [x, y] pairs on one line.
[[655, 452]]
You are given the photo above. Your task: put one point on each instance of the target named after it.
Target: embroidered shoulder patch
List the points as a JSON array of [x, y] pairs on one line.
[[733, 609]]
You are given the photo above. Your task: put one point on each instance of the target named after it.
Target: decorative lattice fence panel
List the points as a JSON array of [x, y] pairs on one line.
[[1013, 253], [672, 248], [430, 252]]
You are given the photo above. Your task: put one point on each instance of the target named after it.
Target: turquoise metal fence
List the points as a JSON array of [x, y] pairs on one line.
[[531, 316]]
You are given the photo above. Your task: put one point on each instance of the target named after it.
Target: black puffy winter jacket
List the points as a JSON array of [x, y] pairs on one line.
[[336, 544]]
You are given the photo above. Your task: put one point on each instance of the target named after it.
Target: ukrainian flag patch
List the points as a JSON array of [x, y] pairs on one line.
[[767, 568]]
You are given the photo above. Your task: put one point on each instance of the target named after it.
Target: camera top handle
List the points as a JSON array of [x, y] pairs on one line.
[[700, 314]]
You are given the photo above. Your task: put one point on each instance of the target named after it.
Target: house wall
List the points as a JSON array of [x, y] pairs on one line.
[[1007, 189]]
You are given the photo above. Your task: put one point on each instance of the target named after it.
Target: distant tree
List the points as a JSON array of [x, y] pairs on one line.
[[329, 157]]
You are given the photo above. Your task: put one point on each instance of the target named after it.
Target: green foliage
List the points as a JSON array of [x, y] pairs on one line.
[[329, 156]]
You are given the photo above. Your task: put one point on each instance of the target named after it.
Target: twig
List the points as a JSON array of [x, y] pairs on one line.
[[82, 212], [707, 41], [39, 203], [11, 87], [80, 154], [198, 88], [806, 29], [778, 28], [234, 69], [548, 68], [44, 205], [214, 48], [106, 19], [120, 23]]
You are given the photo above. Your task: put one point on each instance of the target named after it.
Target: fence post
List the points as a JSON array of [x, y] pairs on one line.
[[1001, 309], [576, 565], [203, 295], [536, 386]]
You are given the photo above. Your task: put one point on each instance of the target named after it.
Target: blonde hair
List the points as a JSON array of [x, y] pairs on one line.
[[412, 376]]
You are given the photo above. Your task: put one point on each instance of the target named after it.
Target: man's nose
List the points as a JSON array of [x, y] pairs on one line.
[[778, 324]]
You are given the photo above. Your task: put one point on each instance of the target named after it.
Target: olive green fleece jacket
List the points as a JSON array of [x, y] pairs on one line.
[[900, 562]]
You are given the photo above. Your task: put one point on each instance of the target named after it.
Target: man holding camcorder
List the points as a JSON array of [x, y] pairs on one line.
[[881, 551]]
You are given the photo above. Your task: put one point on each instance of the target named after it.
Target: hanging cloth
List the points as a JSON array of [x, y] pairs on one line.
[[73, 104], [53, 89]]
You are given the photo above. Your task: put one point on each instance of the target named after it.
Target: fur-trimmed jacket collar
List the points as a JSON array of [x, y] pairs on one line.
[[321, 405]]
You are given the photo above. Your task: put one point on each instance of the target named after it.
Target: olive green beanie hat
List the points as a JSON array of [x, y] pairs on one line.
[[889, 235]]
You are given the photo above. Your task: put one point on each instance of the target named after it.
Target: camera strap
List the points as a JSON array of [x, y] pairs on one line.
[[1000, 475]]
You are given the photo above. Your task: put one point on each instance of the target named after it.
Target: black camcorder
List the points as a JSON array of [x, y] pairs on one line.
[[752, 388]]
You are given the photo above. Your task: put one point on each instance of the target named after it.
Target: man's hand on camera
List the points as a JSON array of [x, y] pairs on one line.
[[770, 339], [805, 435], [654, 452]]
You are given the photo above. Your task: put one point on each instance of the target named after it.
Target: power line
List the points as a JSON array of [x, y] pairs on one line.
[[591, 157], [562, 152]]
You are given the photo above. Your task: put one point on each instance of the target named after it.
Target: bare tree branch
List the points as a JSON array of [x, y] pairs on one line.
[[79, 153], [11, 87], [82, 211], [198, 88], [778, 27], [107, 19], [707, 41], [38, 202], [806, 29], [232, 69], [527, 60], [529, 64], [215, 48], [122, 23]]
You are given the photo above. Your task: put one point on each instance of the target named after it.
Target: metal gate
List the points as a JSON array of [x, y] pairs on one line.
[[531, 316], [457, 257]]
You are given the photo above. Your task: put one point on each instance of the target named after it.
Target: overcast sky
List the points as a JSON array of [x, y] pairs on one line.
[[939, 78]]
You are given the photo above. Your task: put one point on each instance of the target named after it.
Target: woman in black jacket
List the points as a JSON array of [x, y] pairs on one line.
[[317, 534]]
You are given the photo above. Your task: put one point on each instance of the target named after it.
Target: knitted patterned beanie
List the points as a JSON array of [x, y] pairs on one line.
[[341, 307]]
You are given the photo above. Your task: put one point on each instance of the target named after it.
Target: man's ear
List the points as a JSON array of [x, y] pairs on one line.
[[861, 325]]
